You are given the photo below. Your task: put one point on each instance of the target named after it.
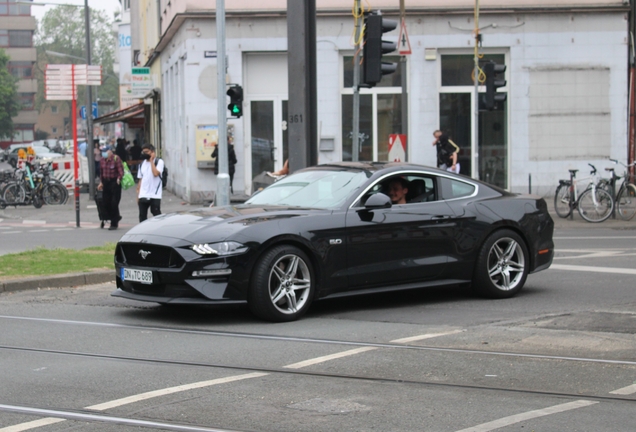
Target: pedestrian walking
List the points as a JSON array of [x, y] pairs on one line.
[[231, 160], [447, 152], [97, 152], [149, 187], [111, 170]]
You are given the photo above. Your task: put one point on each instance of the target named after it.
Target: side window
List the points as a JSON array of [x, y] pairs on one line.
[[455, 188], [407, 188]]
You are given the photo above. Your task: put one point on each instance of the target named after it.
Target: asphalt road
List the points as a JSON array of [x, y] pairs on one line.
[[558, 357]]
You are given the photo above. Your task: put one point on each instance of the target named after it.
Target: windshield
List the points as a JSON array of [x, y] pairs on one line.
[[315, 189]]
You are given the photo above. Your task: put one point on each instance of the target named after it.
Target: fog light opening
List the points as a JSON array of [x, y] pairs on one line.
[[208, 273]]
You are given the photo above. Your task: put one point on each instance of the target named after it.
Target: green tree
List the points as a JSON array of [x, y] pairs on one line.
[[9, 105], [62, 30]]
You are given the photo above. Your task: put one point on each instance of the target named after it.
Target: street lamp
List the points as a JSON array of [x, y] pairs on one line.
[[90, 155]]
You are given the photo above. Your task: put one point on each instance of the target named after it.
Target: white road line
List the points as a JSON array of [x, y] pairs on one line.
[[425, 336], [323, 359], [32, 424], [135, 398], [44, 230], [171, 390], [507, 421], [63, 229], [34, 222], [625, 390], [11, 232], [92, 206], [594, 238], [593, 269], [5, 228]]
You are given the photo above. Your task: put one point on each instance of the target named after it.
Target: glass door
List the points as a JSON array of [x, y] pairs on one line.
[[268, 135], [493, 146]]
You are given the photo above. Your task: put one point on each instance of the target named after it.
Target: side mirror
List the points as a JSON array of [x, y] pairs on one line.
[[378, 201]]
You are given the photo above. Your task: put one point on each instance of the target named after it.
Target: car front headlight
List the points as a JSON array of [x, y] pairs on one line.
[[219, 249]]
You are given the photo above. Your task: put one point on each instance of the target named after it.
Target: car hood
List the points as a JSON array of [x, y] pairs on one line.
[[220, 222]]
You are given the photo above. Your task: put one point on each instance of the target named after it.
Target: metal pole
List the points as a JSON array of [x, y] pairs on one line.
[[405, 100], [223, 178], [475, 146], [89, 110], [355, 135], [75, 149]]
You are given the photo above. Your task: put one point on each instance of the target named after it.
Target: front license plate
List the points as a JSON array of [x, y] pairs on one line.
[[143, 276]]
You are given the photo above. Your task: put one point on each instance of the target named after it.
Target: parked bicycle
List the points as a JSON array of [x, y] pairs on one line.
[[593, 204], [624, 196], [34, 185]]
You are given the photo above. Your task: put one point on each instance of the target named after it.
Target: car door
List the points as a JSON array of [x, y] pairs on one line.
[[404, 243]]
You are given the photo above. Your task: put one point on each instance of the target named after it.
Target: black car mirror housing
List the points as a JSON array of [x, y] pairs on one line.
[[378, 201]]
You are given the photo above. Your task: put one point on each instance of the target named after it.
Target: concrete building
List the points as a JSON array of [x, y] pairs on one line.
[[16, 38], [567, 88]]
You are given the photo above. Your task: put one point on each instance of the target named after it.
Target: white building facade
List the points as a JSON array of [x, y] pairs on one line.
[[567, 90]]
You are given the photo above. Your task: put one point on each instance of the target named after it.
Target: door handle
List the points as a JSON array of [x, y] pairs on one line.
[[440, 217]]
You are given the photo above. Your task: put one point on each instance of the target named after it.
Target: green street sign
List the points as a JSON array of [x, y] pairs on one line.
[[141, 71]]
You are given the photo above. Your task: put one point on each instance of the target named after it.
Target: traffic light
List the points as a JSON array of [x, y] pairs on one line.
[[235, 93], [493, 82], [372, 65]]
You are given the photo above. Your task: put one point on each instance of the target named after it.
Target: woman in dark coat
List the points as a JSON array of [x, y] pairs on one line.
[[231, 159]]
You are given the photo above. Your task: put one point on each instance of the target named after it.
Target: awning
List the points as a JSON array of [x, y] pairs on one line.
[[133, 115]]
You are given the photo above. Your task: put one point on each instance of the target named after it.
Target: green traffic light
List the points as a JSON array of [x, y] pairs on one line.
[[235, 109]]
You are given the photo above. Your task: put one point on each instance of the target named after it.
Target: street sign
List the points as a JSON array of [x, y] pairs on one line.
[[83, 111], [141, 81], [404, 46]]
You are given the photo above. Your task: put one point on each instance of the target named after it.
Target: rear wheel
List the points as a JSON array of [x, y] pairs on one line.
[[14, 193], [595, 205], [562, 201], [282, 286], [626, 203], [502, 265]]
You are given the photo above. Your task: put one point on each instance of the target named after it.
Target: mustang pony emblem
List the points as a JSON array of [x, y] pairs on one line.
[[144, 253]]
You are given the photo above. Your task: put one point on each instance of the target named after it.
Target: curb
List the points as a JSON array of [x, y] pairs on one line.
[[57, 281]]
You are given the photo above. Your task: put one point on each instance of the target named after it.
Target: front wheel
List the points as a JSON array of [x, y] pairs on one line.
[[14, 194], [282, 285], [595, 205], [626, 203], [562, 201], [502, 265], [55, 194]]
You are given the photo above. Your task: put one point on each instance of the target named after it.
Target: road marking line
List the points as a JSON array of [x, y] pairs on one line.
[[63, 229], [593, 238], [323, 359], [92, 206], [135, 398], [625, 390], [593, 269], [425, 336], [507, 421], [5, 227], [32, 424], [12, 232], [34, 222], [44, 230], [171, 390]]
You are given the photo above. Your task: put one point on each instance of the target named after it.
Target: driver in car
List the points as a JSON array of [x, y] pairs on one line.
[[398, 188]]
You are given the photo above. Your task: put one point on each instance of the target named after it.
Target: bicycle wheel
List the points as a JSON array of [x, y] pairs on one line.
[[14, 193], [595, 205], [562, 201], [626, 202], [55, 194]]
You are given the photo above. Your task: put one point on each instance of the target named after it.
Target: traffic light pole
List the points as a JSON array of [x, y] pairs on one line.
[[355, 137], [403, 72], [223, 178], [90, 155]]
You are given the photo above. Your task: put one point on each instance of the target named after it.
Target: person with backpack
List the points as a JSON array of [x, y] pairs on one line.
[[149, 187]]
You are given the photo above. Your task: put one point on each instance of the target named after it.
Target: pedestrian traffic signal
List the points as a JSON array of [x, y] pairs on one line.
[[493, 82], [235, 93], [372, 65]]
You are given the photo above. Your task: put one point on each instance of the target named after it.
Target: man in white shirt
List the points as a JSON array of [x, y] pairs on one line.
[[149, 185]]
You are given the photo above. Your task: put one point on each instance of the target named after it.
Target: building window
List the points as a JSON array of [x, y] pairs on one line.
[[54, 130], [54, 109], [11, 8], [21, 69], [23, 133], [380, 113], [27, 100], [16, 38]]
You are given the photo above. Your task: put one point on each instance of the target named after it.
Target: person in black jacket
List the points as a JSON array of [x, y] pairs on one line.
[[231, 159]]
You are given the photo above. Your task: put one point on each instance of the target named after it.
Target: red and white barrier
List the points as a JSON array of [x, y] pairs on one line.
[[63, 171]]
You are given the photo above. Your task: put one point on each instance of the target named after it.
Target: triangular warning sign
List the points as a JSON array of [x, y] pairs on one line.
[[404, 45]]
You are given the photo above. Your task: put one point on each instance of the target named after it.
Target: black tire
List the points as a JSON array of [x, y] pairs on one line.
[[55, 194], [502, 265], [595, 205], [37, 201], [277, 294], [562, 201], [13, 194], [626, 202]]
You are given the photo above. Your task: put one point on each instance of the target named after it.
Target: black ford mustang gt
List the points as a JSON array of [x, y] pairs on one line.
[[331, 230]]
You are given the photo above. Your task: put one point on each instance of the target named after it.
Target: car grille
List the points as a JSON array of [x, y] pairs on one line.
[[155, 256]]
